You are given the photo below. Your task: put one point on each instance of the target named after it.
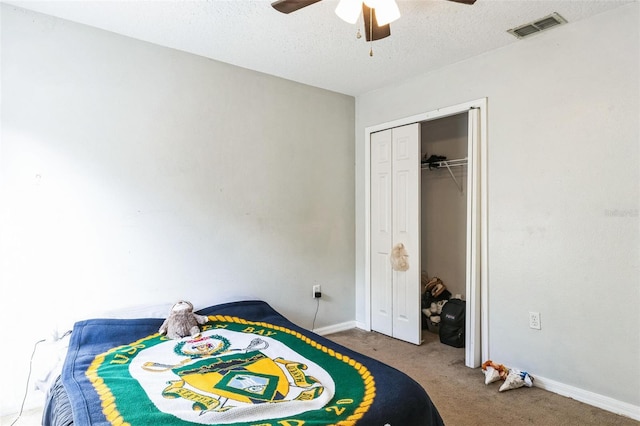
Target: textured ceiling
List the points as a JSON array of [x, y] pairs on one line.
[[314, 46]]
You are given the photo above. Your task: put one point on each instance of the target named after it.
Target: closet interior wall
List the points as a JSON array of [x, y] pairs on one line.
[[444, 203]]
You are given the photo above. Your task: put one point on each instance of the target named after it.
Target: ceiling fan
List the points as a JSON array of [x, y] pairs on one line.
[[376, 24]]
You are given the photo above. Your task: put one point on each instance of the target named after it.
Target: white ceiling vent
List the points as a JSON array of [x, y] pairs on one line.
[[540, 25]]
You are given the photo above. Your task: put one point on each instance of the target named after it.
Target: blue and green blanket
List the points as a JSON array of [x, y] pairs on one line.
[[249, 366]]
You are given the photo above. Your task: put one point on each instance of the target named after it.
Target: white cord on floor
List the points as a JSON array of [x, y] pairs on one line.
[[26, 391], [316, 314]]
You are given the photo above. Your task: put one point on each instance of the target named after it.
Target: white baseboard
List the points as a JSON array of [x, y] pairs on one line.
[[362, 326], [335, 328], [591, 398]]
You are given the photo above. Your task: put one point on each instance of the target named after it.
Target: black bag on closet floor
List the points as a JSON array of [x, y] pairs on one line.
[[452, 319]]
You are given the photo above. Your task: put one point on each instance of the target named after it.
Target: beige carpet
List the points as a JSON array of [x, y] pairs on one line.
[[459, 392]]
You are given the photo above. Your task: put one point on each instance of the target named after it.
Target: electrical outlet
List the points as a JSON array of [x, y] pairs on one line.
[[534, 320], [317, 293]]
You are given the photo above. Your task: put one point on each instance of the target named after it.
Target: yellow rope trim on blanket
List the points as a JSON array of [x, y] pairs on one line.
[[107, 399], [365, 374]]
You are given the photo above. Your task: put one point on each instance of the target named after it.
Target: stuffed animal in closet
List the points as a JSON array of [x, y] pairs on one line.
[[434, 286], [434, 296], [436, 308], [182, 321]]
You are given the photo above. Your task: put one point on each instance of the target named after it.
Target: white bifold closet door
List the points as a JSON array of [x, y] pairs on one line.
[[395, 218]]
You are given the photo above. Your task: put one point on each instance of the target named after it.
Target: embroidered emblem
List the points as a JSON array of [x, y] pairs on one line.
[[202, 346]]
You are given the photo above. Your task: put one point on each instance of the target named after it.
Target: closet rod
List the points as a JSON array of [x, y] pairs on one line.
[[448, 164], [444, 163]]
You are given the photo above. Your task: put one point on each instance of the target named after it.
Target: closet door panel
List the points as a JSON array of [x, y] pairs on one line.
[[401, 291], [402, 204], [381, 235], [405, 227], [383, 209], [382, 295]]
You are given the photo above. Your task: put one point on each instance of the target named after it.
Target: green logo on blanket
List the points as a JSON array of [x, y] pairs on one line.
[[236, 372]]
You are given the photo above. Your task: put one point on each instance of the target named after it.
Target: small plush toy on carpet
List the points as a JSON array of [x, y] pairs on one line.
[[494, 372], [516, 379], [182, 321]]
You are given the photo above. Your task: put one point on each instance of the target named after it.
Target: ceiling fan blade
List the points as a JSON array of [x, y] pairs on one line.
[[288, 6], [377, 32], [464, 1]]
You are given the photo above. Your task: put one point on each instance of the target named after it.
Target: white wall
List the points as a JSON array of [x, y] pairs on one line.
[[132, 173], [563, 198]]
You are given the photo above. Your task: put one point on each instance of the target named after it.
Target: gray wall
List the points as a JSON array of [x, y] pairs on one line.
[[563, 198], [133, 173]]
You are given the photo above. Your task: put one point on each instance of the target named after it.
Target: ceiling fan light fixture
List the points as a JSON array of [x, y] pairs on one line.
[[349, 10], [387, 11]]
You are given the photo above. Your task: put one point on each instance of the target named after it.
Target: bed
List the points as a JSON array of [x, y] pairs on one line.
[[249, 366]]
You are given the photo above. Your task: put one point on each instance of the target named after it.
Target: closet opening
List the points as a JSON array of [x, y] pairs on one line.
[[426, 193], [443, 216]]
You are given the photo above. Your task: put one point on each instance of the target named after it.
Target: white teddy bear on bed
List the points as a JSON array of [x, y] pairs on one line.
[[182, 321]]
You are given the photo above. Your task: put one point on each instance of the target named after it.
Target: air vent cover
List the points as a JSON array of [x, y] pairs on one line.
[[540, 25]]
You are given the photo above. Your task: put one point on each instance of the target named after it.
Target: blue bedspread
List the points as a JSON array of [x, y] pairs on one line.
[[249, 366]]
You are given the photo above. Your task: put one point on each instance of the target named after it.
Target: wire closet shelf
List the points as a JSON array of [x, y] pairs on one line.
[[436, 165]]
